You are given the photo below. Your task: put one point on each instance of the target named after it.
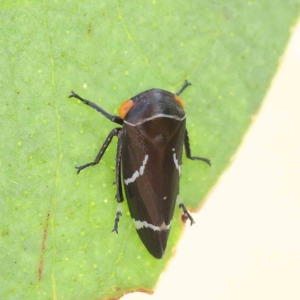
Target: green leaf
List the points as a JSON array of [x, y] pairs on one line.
[[55, 226]]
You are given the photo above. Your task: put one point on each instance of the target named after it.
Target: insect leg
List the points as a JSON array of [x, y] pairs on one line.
[[188, 150], [185, 85], [186, 215], [119, 195], [117, 219], [113, 133], [115, 119]]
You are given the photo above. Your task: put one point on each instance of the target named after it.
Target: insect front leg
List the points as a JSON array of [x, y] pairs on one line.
[[188, 150], [119, 195], [115, 119], [185, 85], [102, 150]]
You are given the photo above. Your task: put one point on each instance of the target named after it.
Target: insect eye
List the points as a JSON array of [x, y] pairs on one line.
[[125, 107], [179, 101]]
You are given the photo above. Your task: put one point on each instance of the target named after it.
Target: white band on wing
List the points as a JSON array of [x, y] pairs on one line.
[[143, 224], [136, 174]]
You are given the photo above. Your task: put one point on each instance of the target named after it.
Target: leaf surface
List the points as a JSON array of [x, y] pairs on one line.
[[56, 240]]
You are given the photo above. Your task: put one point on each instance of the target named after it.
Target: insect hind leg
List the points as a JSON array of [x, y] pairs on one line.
[[186, 215], [118, 182], [117, 219]]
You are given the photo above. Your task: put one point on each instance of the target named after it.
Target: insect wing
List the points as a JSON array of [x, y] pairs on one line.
[[151, 160]]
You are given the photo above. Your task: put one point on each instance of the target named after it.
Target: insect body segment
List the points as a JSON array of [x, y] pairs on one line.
[[148, 160]]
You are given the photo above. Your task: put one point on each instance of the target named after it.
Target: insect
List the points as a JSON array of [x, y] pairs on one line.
[[148, 161]]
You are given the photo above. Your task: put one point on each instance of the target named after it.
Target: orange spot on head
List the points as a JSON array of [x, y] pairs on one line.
[[125, 107], [179, 101]]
